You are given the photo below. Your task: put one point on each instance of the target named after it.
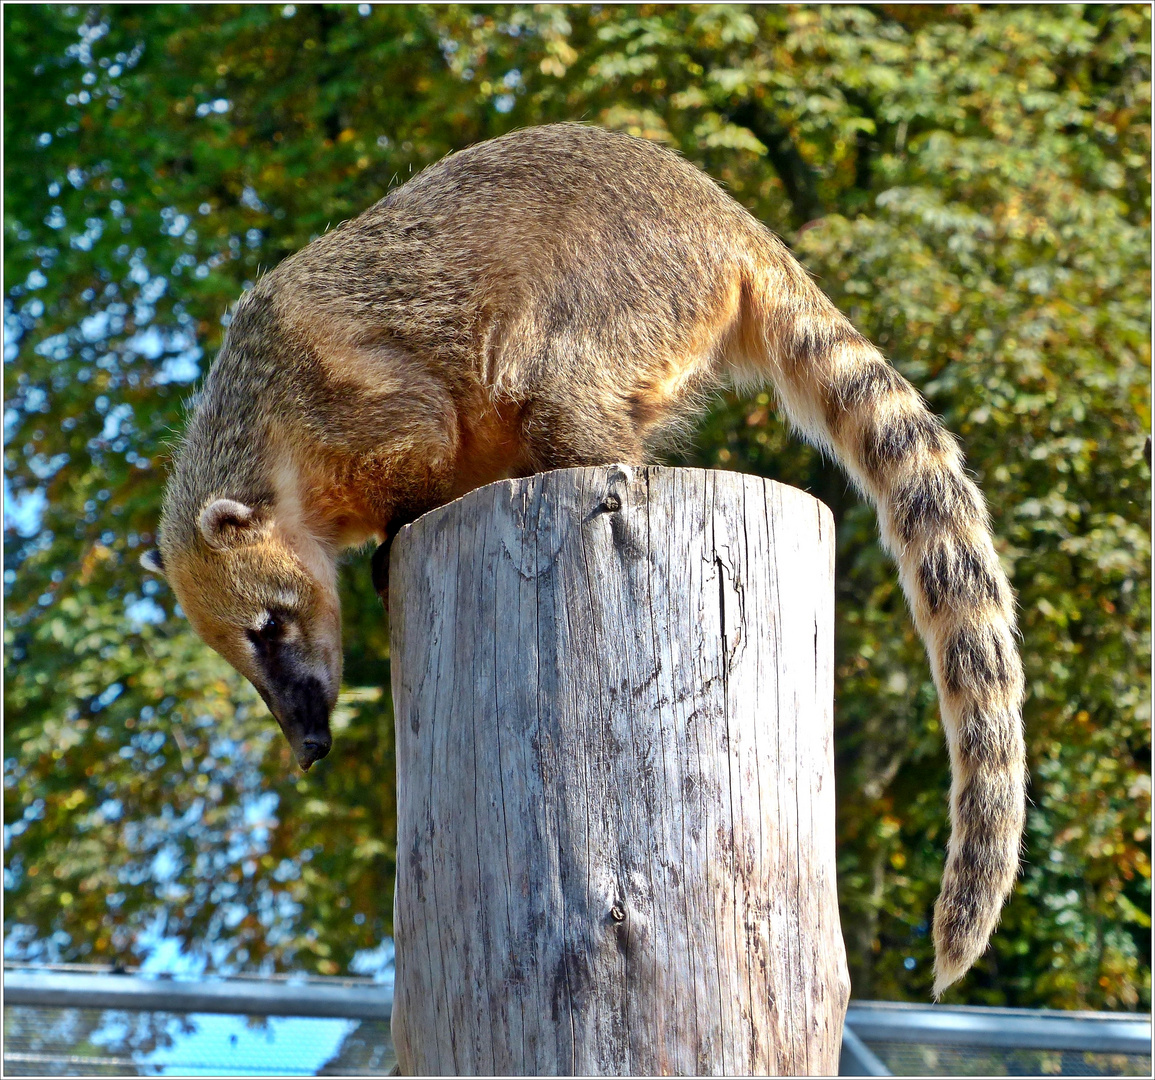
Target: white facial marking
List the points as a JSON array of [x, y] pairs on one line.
[[290, 522]]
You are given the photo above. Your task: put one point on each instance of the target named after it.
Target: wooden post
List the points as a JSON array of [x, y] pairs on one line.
[[615, 848]]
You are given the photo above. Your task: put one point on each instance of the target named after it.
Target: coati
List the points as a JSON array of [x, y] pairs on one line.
[[557, 297]]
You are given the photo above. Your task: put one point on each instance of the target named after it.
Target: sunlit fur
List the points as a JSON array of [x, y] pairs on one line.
[[562, 296]]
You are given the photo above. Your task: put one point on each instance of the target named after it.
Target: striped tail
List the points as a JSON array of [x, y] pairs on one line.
[[840, 392]]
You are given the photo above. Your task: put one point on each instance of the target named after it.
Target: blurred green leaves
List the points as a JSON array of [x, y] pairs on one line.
[[971, 184]]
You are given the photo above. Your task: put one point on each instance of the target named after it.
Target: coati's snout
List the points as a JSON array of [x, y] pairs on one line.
[[263, 599], [297, 694]]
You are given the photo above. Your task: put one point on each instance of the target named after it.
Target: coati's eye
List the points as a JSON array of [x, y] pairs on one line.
[[270, 632]]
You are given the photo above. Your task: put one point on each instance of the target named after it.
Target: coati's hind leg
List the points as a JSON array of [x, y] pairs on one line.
[[558, 435], [552, 435]]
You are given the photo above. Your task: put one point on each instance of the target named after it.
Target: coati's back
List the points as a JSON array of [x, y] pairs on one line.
[[551, 248], [584, 287]]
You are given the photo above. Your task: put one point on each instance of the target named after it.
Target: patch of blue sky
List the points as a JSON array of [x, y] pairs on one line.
[[167, 956], [165, 864], [32, 812], [55, 347], [378, 962], [260, 815], [182, 365], [107, 696], [24, 511], [95, 327], [149, 343], [183, 368], [144, 611], [115, 419], [219, 105], [231, 1046]]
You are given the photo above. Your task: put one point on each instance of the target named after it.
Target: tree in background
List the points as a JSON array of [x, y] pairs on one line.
[[970, 184]]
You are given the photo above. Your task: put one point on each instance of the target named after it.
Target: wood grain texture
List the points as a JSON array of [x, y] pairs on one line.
[[615, 783]]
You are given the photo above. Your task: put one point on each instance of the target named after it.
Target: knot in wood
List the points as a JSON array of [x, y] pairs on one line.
[[612, 503], [617, 914]]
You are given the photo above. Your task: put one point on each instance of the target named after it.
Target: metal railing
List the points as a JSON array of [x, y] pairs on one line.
[[349, 999], [880, 1038], [870, 1024]]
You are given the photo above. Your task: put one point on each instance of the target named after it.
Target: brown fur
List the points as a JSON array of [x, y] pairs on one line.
[[558, 297]]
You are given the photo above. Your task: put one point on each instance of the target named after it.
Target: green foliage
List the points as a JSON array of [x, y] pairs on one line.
[[971, 184]]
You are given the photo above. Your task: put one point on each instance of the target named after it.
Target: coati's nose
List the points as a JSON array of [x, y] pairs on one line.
[[315, 747]]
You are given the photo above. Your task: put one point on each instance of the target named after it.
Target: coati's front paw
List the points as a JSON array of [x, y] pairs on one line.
[[381, 571]]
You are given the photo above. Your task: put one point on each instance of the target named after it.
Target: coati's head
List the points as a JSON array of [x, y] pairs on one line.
[[266, 600]]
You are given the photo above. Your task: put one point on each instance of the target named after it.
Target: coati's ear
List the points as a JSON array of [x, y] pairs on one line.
[[152, 562], [226, 523]]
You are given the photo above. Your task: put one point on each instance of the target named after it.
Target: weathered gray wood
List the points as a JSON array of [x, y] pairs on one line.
[[615, 782]]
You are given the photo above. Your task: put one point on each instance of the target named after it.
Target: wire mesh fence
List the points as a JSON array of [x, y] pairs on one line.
[[42, 1041], [69, 1020], [926, 1059]]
